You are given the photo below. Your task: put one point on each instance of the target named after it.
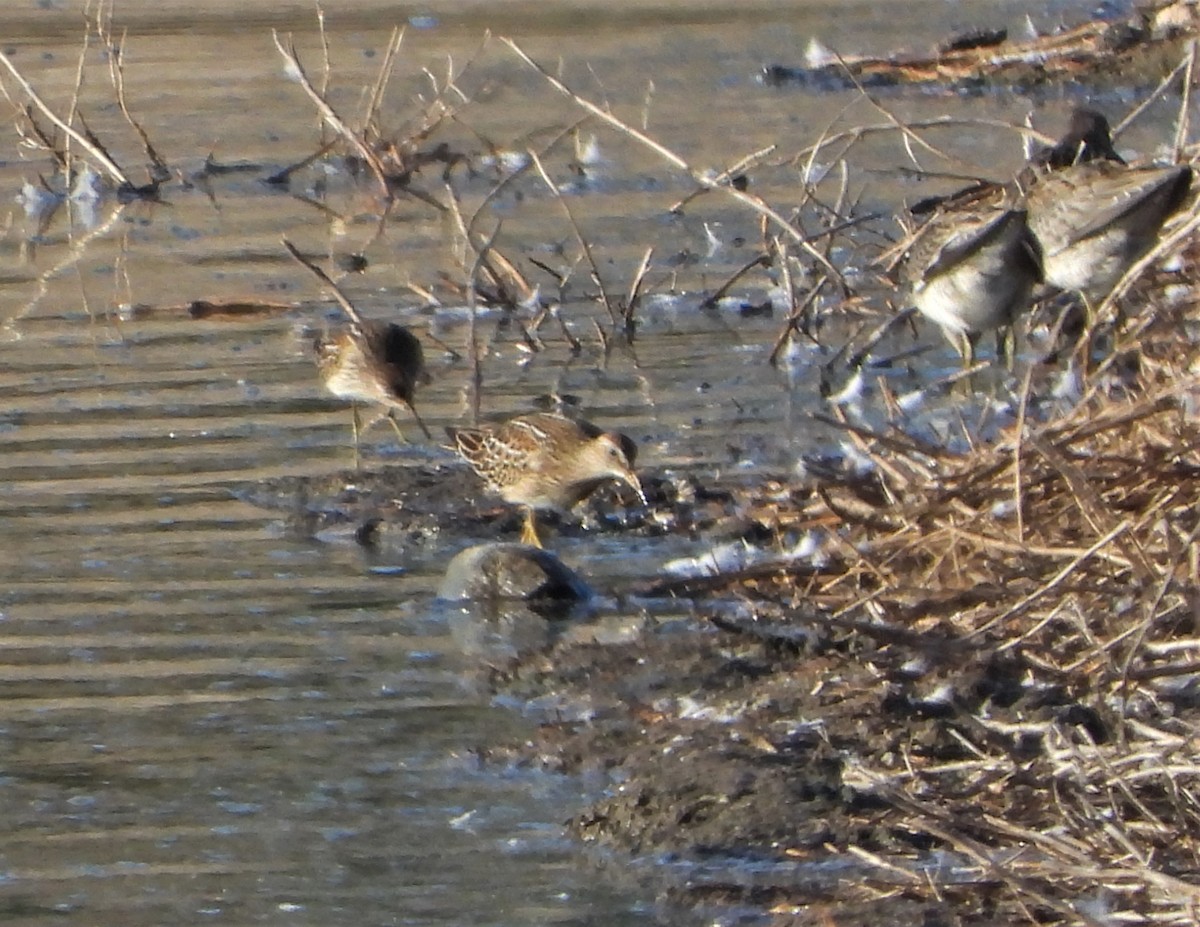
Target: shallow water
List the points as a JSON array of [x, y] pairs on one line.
[[210, 718]]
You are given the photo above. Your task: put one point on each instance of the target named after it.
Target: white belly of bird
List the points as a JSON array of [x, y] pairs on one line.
[[972, 299], [348, 381], [1092, 266]]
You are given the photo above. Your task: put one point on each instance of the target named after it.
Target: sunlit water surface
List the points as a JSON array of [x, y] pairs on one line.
[[209, 718]]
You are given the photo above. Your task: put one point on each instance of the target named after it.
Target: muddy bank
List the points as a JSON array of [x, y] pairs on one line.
[[946, 715], [731, 744], [1137, 49], [930, 714], [758, 743], [442, 505]]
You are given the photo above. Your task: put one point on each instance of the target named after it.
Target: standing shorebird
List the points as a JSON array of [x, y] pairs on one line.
[[1088, 138], [377, 363], [972, 268], [546, 461], [974, 264], [1093, 221]]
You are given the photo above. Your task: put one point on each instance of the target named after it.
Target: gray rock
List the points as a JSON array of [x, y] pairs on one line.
[[512, 572]]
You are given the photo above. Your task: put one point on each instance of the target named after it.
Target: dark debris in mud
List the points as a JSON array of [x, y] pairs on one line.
[[437, 503]]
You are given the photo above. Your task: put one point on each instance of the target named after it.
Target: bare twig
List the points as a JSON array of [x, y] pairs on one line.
[[347, 306], [579, 237], [330, 116], [106, 163], [116, 65]]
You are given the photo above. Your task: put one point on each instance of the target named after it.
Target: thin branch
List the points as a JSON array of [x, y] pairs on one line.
[[330, 116], [103, 160]]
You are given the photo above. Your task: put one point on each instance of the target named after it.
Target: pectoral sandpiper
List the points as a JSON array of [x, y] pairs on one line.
[[377, 363], [546, 461], [971, 269], [1076, 217], [1093, 221]]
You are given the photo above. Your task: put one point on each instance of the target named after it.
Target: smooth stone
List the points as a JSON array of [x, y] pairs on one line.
[[513, 572]]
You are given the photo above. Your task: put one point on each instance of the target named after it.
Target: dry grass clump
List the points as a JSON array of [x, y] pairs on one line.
[[1093, 507], [1062, 557], [1044, 585]]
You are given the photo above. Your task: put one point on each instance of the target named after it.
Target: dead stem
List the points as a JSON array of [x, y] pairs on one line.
[[475, 393], [584, 246], [330, 116], [634, 297], [347, 306], [728, 175], [759, 260], [116, 67], [675, 160], [106, 163]]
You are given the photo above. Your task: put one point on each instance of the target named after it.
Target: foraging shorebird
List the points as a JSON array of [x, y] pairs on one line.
[[377, 363], [546, 461], [971, 269], [1093, 221]]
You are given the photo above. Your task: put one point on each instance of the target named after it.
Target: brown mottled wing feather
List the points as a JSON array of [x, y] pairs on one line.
[[1089, 200], [1131, 197], [517, 439], [951, 239], [490, 455], [467, 441]]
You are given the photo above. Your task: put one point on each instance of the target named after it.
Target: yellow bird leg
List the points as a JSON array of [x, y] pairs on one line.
[[396, 426], [529, 530]]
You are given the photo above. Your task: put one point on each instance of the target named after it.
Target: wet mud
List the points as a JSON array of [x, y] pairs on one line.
[[443, 505], [728, 737]]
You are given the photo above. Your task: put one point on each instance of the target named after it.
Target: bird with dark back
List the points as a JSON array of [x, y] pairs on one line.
[[367, 361], [1093, 221], [971, 269], [376, 363]]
